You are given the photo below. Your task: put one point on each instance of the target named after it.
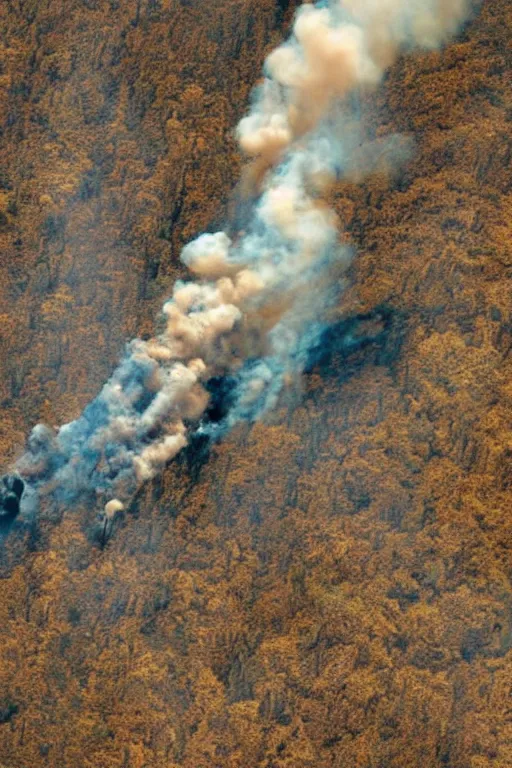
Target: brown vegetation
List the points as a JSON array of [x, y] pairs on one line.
[[333, 588]]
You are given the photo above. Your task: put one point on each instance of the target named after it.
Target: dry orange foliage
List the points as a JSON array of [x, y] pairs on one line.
[[331, 588]]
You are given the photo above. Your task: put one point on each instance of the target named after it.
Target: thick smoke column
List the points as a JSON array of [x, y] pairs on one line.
[[257, 305]]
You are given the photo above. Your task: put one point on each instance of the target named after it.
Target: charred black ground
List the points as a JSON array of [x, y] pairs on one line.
[[11, 491]]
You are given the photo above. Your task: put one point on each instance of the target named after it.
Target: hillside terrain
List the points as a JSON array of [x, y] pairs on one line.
[[331, 588]]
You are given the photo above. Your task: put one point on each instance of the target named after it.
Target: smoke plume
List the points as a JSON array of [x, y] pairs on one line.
[[257, 304]]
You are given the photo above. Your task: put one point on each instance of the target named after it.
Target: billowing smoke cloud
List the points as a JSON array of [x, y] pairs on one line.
[[258, 303]]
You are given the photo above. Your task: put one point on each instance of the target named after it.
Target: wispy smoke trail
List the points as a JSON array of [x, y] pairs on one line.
[[258, 303]]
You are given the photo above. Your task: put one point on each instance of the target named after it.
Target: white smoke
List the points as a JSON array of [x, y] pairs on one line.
[[333, 50], [258, 303]]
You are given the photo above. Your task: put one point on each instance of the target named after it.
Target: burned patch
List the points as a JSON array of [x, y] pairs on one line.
[[11, 491]]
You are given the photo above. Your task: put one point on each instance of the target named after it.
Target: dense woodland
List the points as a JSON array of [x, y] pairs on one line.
[[331, 588]]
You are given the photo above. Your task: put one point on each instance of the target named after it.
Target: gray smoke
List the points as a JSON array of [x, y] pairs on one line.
[[257, 304]]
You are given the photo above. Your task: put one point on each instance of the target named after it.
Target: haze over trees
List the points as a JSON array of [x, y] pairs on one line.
[[332, 587]]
